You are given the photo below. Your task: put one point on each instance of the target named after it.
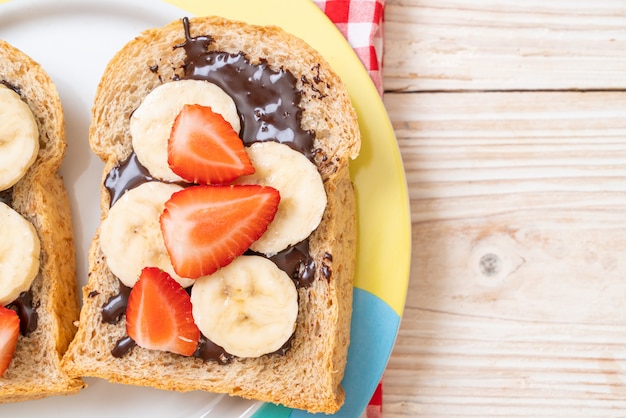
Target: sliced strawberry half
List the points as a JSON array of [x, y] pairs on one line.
[[204, 148], [9, 333], [158, 316], [206, 227]]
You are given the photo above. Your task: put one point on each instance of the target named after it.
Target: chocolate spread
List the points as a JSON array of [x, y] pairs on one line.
[[125, 176], [267, 101], [123, 346], [208, 350], [12, 87], [26, 311], [6, 196], [296, 262], [115, 307]]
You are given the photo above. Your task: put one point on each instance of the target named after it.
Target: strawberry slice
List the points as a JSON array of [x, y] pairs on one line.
[[158, 316], [204, 148], [9, 332], [206, 227]]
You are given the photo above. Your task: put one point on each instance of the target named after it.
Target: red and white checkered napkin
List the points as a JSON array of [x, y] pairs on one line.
[[361, 22]]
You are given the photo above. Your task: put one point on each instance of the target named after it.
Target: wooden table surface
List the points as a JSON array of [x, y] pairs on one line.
[[511, 121]]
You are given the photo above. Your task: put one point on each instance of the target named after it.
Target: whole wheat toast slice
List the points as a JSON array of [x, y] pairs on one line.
[[40, 197], [308, 375]]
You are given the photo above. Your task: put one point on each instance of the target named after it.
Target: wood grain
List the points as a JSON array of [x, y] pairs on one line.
[[452, 45], [511, 121], [483, 154], [516, 300]]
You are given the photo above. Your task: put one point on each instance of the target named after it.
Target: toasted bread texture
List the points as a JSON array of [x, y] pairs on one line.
[[40, 197], [309, 374]]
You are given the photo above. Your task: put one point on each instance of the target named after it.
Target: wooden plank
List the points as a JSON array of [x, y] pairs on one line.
[[539, 150], [454, 45], [516, 300]]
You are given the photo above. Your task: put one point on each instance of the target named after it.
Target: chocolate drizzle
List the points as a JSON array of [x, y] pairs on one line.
[[11, 86], [296, 262], [26, 311], [209, 351], [267, 100], [125, 176], [123, 347], [115, 307], [6, 196], [112, 312]]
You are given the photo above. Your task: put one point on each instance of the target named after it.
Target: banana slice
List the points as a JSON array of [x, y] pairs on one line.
[[130, 236], [19, 137], [302, 194], [248, 307], [151, 123], [19, 254]]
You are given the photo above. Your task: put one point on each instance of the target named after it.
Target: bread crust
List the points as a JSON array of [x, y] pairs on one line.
[[41, 197], [308, 376]]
